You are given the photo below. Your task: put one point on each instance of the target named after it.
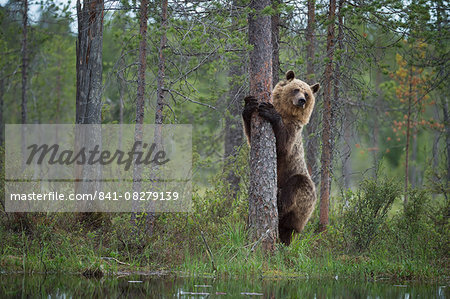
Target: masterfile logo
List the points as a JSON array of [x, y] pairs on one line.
[[102, 168]]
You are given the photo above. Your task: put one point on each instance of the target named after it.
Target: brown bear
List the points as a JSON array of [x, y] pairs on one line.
[[293, 103]]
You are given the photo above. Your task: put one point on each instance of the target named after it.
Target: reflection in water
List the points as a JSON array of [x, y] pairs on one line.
[[73, 286]]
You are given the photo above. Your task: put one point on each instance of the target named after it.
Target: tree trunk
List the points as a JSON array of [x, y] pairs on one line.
[[376, 124], [347, 150], [88, 97], [263, 213], [138, 132], [24, 60], [24, 75], [275, 44], [89, 62], [435, 150], [336, 102], [414, 176], [346, 126], [2, 120], [160, 88], [2, 136], [310, 40], [408, 133], [121, 86], [447, 134], [327, 121], [160, 93], [142, 64], [233, 126], [160, 99], [312, 138]]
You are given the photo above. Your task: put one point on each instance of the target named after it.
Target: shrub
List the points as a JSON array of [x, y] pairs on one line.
[[417, 229], [367, 210]]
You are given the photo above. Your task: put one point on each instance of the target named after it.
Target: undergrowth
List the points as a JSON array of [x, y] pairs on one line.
[[365, 240]]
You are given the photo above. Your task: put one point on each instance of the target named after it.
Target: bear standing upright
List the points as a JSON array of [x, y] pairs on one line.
[[293, 103]]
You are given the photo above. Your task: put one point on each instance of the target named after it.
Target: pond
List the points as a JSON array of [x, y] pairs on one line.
[[141, 286]]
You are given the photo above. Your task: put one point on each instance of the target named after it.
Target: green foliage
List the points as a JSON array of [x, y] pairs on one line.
[[420, 229], [409, 245], [367, 211]]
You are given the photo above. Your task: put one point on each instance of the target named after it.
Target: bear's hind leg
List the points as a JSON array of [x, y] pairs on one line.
[[285, 232], [295, 204]]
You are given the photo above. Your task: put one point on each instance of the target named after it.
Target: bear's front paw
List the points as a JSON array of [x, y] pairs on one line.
[[250, 99], [251, 105], [267, 111]]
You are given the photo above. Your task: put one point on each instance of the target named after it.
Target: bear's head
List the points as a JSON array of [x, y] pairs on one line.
[[294, 99]]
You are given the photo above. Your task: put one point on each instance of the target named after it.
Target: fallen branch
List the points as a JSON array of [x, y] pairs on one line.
[[209, 252], [257, 242], [113, 259]]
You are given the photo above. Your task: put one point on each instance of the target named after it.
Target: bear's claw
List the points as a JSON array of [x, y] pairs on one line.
[[266, 105], [267, 111], [250, 99], [251, 105]]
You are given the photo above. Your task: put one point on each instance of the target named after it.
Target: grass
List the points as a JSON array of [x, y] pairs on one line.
[[309, 255], [409, 244]]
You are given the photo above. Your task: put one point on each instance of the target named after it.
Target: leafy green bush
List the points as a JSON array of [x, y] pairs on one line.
[[418, 230], [366, 211]]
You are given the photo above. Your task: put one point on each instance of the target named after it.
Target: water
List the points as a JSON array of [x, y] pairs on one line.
[[76, 286]]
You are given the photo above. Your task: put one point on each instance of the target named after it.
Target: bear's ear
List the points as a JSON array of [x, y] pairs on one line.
[[290, 75], [315, 88]]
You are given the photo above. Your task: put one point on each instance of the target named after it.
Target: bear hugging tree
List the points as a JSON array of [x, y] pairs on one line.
[[293, 103]]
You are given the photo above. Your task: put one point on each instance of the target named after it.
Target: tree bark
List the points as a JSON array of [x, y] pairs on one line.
[[275, 43], [263, 213], [233, 126], [89, 83], [414, 176], [376, 125], [24, 60], [142, 63], [160, 93], [310, 40], [89, 68], [140, 101], [121, 86], [447, 134], [347, 150], [24, 112], [2, 120], [312, 138], [408, 134], [160, 100], [89, 62], [327, 121], [335, 104], [346, 126], [435, 150], [2, 136]]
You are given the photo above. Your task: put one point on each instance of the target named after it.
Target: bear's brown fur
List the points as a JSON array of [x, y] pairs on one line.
[[293, 103]]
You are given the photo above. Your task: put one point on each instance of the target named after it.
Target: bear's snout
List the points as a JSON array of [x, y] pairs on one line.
[[301, 102]]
